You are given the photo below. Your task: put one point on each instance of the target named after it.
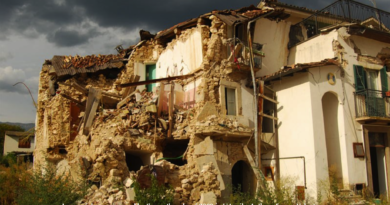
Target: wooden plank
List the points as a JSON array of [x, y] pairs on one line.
[[160, 101], [268, 98], [171, 110], [93, 101], [124, 101], [260, 123], [268, 116], [252, 163], [126, 91]]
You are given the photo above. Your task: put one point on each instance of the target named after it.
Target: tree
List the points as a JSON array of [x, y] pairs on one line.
[[7, 127]]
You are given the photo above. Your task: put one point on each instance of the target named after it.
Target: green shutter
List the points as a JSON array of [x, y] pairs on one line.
[[385, 86], [360, 77]]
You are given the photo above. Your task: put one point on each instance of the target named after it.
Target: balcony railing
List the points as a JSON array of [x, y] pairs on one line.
[[346, 11], [372, 103]]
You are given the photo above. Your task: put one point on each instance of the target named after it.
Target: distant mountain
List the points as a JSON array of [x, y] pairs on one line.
[[25, 126]]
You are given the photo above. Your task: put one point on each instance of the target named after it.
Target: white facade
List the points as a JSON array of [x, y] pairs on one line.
[[11, 144]]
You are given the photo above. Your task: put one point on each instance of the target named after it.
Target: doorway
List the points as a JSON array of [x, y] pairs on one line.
[[150, 75], [376, 140], [242, 177], [378, 162]]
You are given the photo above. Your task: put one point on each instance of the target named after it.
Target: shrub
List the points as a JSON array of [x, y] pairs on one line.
[[45, 186], [156, 194]]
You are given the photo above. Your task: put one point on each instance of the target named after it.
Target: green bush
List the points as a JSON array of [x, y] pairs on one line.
[[45, 187], [8, 159], [156, 194]]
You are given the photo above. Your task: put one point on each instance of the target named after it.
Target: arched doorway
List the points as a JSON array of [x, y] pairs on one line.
[[242, 177], [330, 109]]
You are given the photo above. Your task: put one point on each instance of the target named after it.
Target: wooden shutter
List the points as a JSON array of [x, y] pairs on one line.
[[385, 86], [360, 78]]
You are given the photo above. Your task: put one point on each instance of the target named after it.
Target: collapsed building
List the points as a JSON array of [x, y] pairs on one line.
[[185, 104]]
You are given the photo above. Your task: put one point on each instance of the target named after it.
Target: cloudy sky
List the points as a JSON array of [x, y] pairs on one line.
[[34, 30]]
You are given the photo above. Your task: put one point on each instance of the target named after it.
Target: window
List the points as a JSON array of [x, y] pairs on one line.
[[24, 143], [230, 100], [369, 79]]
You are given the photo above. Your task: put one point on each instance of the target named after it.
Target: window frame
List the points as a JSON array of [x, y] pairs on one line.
[[232, 85], [25, 145]]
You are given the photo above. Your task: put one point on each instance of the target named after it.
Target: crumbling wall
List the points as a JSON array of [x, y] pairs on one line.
[[138, 126]]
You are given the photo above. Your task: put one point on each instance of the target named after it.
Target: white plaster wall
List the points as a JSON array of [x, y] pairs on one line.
[[353, 130], [353, 168], [11, 144], [274, 36], [182, 56], [247, 104], [140, 69], [313, 50], [296, 130]]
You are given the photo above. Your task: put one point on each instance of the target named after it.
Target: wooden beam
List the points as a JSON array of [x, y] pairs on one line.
[[72, 99], [257, 171], [124, 101], [93, 101], [160, 97], [156, 80], [268, 116], [171, 110], [268, 98], [260, 123]]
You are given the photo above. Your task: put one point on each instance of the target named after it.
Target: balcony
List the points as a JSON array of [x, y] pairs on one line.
[[341, 12], [372, 106], [239, 58]]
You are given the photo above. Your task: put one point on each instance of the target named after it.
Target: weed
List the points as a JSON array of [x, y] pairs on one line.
[[155, 194]]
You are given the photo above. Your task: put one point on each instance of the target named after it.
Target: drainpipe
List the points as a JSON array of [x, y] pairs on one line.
[[299, 157], [254, 86]]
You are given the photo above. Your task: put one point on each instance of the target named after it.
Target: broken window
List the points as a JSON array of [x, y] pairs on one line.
[[24, 143], [174, 150], [230, 101]]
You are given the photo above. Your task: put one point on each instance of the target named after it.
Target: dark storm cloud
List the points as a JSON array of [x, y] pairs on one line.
[[66, 38], [56, 19]]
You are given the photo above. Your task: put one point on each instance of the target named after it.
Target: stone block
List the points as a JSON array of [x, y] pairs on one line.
[[205, 148], [127, 182], [208, 198], [130, 194], [208, 109]]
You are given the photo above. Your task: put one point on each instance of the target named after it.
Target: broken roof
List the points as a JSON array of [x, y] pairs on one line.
[[300, 67], [18, 134], [229, 17], [71, 65]]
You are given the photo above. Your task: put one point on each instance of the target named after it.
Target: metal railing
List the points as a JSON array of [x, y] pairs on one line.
[[372, 103], [346, 11]]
